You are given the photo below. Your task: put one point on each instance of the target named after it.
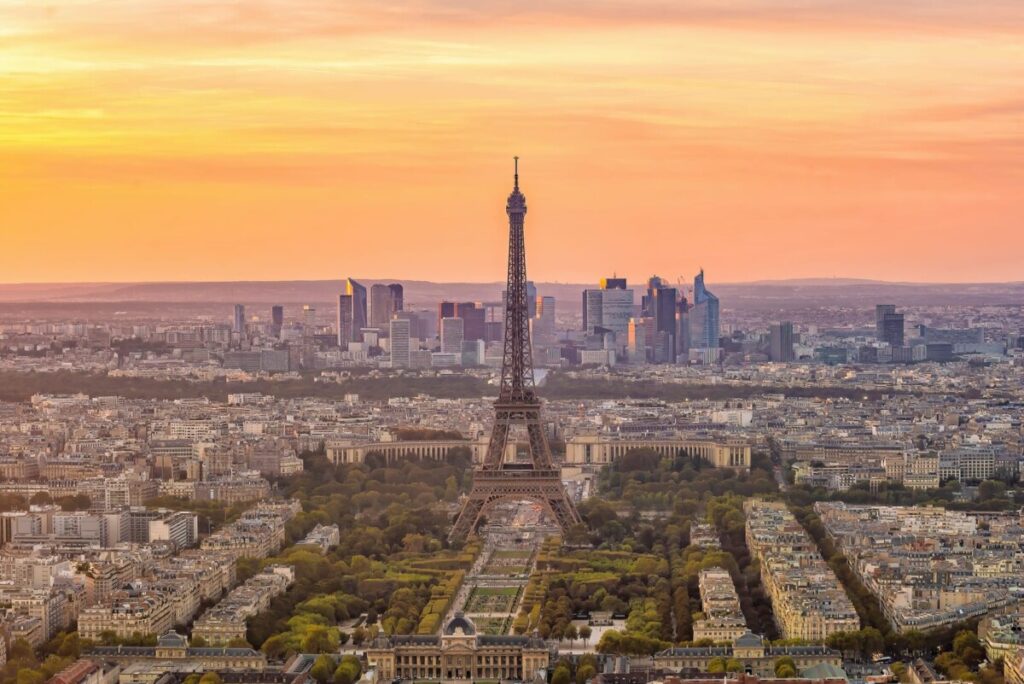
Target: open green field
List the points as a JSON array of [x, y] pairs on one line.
[[492, 600]]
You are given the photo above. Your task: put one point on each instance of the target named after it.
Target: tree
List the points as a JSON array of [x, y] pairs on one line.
[[348, 670], [211, 678], [785, 667], [323, 668], [27, 676], [40, 499], [717, 665], [561, 675], [585, 673], [734, 665], [571, 634], [585, 633]]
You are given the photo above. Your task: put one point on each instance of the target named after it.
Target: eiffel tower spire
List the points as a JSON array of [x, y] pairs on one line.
[[494, 480]]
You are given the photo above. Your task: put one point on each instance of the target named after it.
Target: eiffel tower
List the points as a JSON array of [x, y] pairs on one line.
[[494, 480]]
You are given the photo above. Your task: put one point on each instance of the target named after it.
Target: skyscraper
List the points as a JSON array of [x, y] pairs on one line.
[[781, 345], [637, 341], [397, 296], [704, 324], [276, 320], [544, 323], [345, 323], [359, 314], [889, 325], [452, 335], [593, 310], [382, 306], [613, 283], [399, 331], [239, 322], [664, 305], [474, 318], [654, 283], [309, 319], [892, 329], [881, 310], [683, 328], [610, 308]]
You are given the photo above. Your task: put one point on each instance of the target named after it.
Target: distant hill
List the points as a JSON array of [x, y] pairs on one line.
[[418, 293]]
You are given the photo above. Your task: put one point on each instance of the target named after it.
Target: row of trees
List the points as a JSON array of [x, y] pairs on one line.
[[391, 562]]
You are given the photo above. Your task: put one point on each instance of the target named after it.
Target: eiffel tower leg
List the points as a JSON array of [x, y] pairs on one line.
[[465, 523], [563, 510], [540, 452], [499, 440]]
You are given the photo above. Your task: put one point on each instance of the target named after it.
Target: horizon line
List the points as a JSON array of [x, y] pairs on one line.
[[42, 283]]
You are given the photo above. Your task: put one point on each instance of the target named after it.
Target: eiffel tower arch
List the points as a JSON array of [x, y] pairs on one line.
[[494, 480]]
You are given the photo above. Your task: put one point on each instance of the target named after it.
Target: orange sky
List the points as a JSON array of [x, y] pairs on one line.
[[279, 139]]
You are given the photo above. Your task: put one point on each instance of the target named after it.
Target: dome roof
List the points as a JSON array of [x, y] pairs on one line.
[[460, 623], [748, 640], [172, 640]]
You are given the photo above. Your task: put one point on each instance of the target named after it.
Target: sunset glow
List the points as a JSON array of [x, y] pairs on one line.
[[304, 139]]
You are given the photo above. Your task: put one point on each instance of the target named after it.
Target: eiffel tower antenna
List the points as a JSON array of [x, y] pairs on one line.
[[494, 480]]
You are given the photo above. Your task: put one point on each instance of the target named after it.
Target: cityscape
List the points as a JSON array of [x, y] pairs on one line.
[[375, 494], [575, 342]]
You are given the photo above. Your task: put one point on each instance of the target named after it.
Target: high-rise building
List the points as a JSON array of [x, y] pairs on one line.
[[616, 310], [419, 322], [892, 329], [309, 318], [239, 322], [593, 310], [654, 283], [445, 310], [704, 323], [683, 328], [452, 335], [613, 283], [399, 331], [889, 325], [781, 344], [397, 296], [544, 323], [473, 315], [359, 313], [881, 311], [664, 305], [346, 325], [276, 320], [474, 318], [380, 306], [637, 341]]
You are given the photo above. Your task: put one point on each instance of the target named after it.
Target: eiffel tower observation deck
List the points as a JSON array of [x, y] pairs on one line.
[[494, 480]]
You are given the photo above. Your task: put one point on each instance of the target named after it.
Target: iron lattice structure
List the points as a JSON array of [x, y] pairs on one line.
[[494, 480]]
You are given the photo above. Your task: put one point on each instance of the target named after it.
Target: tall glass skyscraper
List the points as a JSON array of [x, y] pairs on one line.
[[359, 320], [704, 326]]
